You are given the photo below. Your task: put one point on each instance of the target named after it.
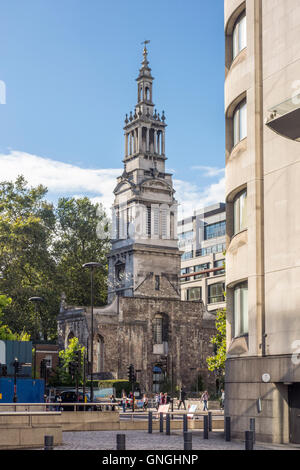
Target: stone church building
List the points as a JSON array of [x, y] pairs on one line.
[[145, 322]]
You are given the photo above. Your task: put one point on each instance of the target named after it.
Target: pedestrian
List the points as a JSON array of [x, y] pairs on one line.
[[130, 400], [157, 399], [167, 399], [222, 400], [161, 398], [145, 402], [57, 400], [124, 399], [182, 396], [205, 398], [113, 400]]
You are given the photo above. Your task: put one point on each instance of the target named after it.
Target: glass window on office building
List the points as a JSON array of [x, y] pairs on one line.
[[185, 271], [240, 212], [239, 35], [193, 293], [187, 255], [240, 309], [219, 264], [216, 293], [240, 122], [215, 230], [201, 267]]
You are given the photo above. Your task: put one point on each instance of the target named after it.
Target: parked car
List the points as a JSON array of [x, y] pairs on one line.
[[70, 396]]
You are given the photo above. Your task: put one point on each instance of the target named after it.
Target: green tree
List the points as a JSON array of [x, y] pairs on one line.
[[66, 356], [77, 242], [27, 267], [217, 361], [5, 332]]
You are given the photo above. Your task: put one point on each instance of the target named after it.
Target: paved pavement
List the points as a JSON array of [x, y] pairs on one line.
[[141, 440]]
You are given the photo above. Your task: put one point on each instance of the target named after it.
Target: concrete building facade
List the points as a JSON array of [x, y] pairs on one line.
[[145, 323], [262, 197], [202, 238]]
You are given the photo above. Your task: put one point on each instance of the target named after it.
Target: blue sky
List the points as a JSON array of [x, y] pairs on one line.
[[69, 68]]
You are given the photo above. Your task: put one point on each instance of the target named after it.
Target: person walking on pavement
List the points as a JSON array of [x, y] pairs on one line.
[[182, 395], [57, 400], [205, 398], [157, 398], [145, 402], [124, 398], [222, 401]]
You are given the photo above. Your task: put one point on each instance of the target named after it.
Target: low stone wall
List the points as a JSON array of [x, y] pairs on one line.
[[90, 420], [27, 430]]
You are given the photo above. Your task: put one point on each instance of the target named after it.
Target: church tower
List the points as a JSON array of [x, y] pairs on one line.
[[144, 259]]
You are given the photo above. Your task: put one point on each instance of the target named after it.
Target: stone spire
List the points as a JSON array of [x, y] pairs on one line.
[[144, 243], [145, 70]]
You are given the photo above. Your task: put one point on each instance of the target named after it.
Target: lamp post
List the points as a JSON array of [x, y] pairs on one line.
[[36, 301], [92, 266]]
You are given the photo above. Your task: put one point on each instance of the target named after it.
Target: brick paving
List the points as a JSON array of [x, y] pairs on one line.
[[141, 440]]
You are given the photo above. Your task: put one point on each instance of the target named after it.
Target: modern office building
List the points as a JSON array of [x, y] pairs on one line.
[[262, 223], [201, 237]]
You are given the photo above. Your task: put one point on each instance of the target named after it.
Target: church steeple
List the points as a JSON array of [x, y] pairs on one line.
[[144, 245], [145, 128], [145, 84]]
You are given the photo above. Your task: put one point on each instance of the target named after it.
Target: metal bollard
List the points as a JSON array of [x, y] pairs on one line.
[[150, 422], [48, 443], [205, 427], [227, 429], [161, 422], [121, 442], [168, 428], [210, 421], [249, 438], [252, 427], [185, 423], [187, 441]]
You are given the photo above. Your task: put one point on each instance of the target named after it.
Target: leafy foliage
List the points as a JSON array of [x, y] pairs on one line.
[[77, 243], [42, 249], [217, 362], [5, 332], [66, 356]]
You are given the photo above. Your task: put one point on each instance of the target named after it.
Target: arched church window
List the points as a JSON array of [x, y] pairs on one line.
[[147, 94], [160, 328], [157, 378], [120, 273], [70, 336]]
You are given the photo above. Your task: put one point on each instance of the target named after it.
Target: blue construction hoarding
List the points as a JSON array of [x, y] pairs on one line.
[[28, 390], [22, 350]]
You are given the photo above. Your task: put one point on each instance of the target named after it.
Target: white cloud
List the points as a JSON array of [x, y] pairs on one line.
[[209, 171], [193, 198], [64, 179], [60, 178]]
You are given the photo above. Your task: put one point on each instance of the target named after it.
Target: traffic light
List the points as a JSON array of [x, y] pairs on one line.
[[3, 370], [131, 374], [77, 360], [17, 366], [72, 368], [43, 368]]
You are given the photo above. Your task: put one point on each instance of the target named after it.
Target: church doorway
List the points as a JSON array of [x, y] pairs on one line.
[[157, 379]]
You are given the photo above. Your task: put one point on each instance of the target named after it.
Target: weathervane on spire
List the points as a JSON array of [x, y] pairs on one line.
[[146, 42]]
